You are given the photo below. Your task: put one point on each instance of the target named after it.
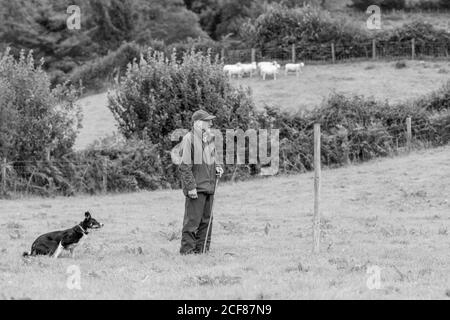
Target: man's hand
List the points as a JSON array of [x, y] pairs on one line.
[[192, 194], [219, 171]]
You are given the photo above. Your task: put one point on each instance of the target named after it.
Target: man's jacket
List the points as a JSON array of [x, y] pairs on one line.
[[198, 162]]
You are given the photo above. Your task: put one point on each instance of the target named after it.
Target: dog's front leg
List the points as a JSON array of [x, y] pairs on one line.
[[58, 251], [72, 252]]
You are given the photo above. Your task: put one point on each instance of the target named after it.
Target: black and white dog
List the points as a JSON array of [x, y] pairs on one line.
[[53, 243]]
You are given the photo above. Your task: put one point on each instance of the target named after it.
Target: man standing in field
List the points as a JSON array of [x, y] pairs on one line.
[[198, 170]]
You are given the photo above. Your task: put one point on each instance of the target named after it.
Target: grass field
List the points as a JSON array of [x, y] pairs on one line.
[[392, 213], [378, 79]]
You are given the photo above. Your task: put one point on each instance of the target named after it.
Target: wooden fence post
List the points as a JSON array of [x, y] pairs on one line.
[[317, 172], [293, 53], [4, 176], [105, 175], [408, 134], [374, 49], [346, 150], [413, 49], [47, 154], [253, 55], [333, 54]]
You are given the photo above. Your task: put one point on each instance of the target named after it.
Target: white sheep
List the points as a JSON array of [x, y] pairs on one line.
[[231, 69], [296, 67], [265, 63], [249, 68], [262, 64], [269, 69]]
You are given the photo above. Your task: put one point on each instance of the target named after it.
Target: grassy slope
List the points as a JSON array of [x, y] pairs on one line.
[[315, 84], [392, 213], [391, 19], [98, 121], [378, 79]]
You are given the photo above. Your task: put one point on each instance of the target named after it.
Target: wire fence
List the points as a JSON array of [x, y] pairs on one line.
[[338, 52], [104, 175], [41, 176]]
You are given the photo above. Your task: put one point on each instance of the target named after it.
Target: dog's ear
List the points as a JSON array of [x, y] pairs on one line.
[[87, 215]]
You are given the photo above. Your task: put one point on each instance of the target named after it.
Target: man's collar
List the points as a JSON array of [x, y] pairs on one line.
[[198, 132]]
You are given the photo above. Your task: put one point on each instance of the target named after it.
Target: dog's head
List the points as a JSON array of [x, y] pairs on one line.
[[90, 223]]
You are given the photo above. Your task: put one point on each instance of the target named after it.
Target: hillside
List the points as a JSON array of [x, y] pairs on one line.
[[379, 79], [391, 213]]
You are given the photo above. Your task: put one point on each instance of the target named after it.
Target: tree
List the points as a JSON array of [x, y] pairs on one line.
[[221, 17], [34, 118], [105, 26], [41, 26], [166, 20], [115, 23]]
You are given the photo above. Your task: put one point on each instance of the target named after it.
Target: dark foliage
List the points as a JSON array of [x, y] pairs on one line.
[[383, 4], [98, 73], [105, 26]]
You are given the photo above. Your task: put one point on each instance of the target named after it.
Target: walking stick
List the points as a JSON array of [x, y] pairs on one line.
[[210, 219]]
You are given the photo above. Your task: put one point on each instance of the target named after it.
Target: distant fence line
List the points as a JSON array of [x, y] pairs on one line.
[[9, 182], [336, 52]]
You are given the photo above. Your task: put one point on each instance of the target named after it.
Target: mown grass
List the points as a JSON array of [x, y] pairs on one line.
[[391, 213]]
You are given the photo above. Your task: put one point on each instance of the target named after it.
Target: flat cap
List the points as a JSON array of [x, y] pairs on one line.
[[202, 115]]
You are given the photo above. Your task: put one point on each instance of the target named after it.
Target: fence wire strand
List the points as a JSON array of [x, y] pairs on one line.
[[324, 52]]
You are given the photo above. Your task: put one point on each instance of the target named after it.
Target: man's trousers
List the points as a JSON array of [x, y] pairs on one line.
[[196, 218]]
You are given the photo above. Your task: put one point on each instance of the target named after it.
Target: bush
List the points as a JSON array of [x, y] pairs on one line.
[[35, 119], [393, 4], [430, 4], [363, 4], [96, 74], [383, 4], [198, 45], [127, 165], [441, 123], [159, 94], [9, 117], [400, 65], [444, 4], [397, 42], [436, 101], [131, 165], [424, 34], [310, 28], [358, 129]]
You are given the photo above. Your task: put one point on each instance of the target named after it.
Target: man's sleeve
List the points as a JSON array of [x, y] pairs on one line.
[[187, 177]]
